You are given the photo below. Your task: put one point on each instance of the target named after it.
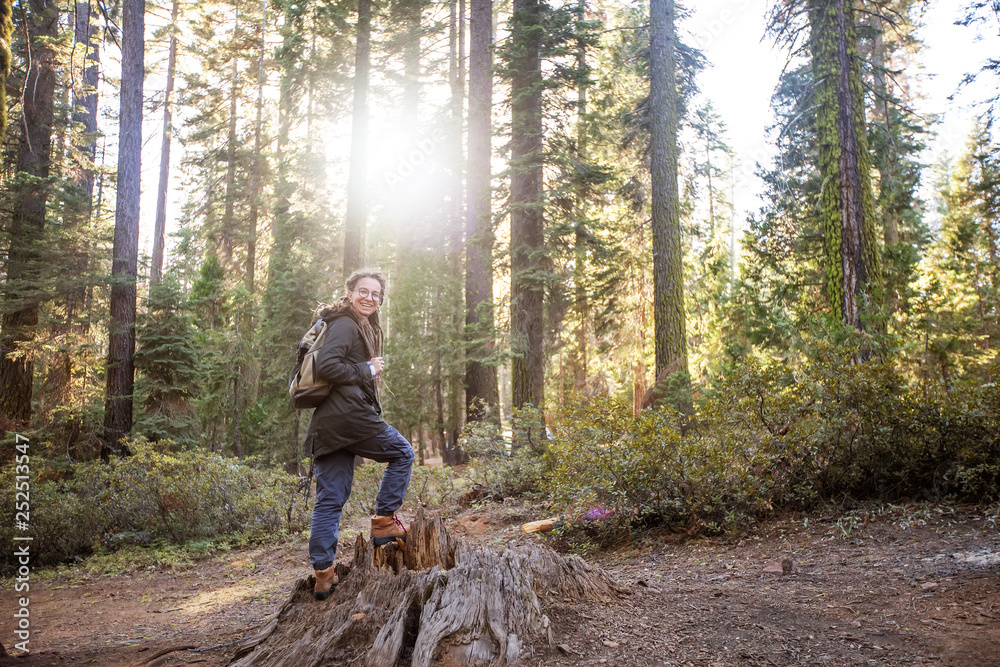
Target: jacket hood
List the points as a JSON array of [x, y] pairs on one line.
[[336, 310], [342, 308]]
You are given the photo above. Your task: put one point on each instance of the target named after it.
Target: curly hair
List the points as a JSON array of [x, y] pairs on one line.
[[374, 274]]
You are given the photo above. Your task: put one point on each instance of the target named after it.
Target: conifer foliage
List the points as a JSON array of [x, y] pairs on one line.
[[546, 188]]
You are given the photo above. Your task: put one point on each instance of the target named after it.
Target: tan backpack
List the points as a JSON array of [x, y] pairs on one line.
[[305, 387]]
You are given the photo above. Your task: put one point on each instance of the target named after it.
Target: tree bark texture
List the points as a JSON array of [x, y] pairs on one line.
[[435, 601], [357, 178], [159, 227], [853, 264], [6, 31], [27, 222], [121, 339], [527, 234], [668, 270], [480, 377]]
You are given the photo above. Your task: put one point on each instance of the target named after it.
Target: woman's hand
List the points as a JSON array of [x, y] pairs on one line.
[[378, 364]]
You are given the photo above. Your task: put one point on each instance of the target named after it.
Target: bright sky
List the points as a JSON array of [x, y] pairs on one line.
[[745, 70]]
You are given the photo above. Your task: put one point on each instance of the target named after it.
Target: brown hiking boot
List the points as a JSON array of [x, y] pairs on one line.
[[325, 581], [385, 529]]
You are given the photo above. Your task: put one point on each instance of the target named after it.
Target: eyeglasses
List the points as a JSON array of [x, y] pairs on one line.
[[366, 294]]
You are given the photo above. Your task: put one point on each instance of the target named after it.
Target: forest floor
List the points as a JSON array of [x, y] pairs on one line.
[[896, 586]]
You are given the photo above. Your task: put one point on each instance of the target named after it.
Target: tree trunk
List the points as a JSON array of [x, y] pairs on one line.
[[580, 296], [434, 601], [86, 114], [6, 30], [257, 141], [853, 265], [357, 178], [889, 176], [668, 270], [159, 229], [282, 233], [121, 339], [27, 219], [229, 210], [480, 377], [85, 98], [527, 234], [455, 368], [56, 391]]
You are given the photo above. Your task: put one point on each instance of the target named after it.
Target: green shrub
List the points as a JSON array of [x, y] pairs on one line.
[[775, 435], [628, 469], [833, 425], [430, 486], [154, 496], [499, 468]]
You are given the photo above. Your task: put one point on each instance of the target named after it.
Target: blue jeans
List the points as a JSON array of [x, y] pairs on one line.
[[334, 476]]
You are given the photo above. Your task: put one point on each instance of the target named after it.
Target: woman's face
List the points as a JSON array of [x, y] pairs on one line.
[[365, 296]]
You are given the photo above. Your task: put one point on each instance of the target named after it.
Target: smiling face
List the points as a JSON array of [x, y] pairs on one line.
[[365, 296]]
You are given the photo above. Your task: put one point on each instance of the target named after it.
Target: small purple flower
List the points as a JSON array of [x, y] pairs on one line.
[[597, 513]]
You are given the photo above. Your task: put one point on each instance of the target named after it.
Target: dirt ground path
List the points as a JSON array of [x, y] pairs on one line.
[[913, 586]]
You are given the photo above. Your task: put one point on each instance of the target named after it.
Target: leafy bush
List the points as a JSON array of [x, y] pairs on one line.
[[430, 486], [499, 468], [776, 435], [834, 425], [152, 496], [610, 465]]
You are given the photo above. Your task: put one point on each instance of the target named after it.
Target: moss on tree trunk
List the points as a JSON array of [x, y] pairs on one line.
[[853, 264]]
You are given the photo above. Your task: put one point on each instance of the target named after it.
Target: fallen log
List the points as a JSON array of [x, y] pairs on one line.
[[434, 600]]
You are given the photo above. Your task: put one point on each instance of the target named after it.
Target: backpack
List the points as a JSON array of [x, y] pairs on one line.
[[305, 387]]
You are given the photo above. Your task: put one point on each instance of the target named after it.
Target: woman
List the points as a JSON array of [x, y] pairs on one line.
[[348, 423]]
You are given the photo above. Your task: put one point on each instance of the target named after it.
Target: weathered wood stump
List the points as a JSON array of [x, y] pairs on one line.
[[435, 600]]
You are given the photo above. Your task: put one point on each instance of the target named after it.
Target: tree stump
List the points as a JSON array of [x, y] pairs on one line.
[[435, 600]]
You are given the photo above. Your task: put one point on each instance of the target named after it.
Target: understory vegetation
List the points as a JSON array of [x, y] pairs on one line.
[[152, 498], [774, 436], [162, 498]]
